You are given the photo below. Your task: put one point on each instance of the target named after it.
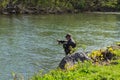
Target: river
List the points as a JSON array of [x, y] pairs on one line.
[[28, 42]]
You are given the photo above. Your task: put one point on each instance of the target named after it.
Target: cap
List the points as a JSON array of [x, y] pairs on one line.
[[68, 35]]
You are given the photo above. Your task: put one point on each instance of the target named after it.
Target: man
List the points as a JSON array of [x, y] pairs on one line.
[[68, 44]]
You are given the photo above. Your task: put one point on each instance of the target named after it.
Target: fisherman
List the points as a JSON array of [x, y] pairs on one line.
[[67, 44]]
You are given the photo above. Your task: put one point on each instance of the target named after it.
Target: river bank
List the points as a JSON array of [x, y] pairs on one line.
[[16, 9], [57, 6], [104, 64], [117, 13], [34, 10], [46, 11], [99, 68]]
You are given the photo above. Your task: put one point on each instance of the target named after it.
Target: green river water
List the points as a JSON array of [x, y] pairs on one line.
[[28, 42]]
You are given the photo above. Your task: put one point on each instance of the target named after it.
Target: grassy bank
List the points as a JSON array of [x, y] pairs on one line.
[[86, 71], [97, 69]]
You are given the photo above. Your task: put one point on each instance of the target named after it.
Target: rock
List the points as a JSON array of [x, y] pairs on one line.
[[72, 59], [107, 55], [116, 47], [11, 10]]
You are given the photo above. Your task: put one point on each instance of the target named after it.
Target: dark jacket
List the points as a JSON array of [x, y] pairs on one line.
[[67, 45]]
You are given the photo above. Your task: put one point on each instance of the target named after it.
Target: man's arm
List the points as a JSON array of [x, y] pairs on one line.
[[61, 41]]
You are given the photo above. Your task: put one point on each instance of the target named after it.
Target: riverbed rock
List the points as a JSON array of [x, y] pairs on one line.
[[73, 58]]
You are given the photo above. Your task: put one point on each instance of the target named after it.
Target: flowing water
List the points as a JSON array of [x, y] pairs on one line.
[[28, 42]]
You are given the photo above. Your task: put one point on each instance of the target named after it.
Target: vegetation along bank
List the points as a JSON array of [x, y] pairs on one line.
[[57, 6], [104, 65]]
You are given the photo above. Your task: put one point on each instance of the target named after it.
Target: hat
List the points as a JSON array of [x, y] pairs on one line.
[[68, 35]]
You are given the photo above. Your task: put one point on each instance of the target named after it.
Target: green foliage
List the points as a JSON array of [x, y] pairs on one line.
[[78, 4], [108, 54], [72, 50], [118, 43], [109, 3], [66, 4], [97, 55], [87, 70], [4, 3]]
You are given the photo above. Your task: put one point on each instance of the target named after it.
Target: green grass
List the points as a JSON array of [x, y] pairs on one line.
[[107, 70], [84, 71]]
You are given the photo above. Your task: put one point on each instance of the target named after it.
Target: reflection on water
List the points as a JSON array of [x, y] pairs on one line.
[[28, 42]]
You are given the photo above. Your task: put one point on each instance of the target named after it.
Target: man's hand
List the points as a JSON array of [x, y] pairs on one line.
[[58, 41], [61, 41]]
